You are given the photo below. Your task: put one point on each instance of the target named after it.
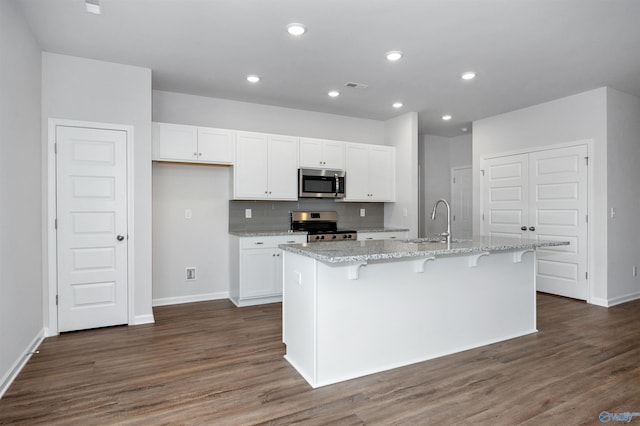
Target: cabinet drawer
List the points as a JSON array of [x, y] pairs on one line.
[[270, 242], [393, 235]]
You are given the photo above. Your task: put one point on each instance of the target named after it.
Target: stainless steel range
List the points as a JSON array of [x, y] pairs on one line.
[[321, 226]]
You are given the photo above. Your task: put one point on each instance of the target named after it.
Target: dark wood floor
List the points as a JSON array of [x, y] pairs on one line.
[[211, 363]]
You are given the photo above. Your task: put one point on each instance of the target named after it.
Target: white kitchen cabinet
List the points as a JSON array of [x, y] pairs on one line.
[[370, 172], [383, 235], [266, 167], [322, 154], [191, 144], [256, 268]]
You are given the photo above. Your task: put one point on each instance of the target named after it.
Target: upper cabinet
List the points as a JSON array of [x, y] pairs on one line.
[[371, 171], [191, 144], [323, 154], [266, 167]]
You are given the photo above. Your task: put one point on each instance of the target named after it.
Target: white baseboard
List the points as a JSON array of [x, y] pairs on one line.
[[607, 303], [623, 299], [191, 298], [19, 363], [599, 301], [143, 319]]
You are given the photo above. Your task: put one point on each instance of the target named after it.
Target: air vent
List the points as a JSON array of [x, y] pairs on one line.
[[356, 85]]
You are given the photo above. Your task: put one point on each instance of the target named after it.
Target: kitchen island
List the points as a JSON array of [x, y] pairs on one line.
[[353, 308]]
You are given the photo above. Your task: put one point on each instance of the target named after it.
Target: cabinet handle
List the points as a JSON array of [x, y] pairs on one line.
[[291, 242], [523, 228], [532, 228], [195, 154], [199, 154], [259, 242]]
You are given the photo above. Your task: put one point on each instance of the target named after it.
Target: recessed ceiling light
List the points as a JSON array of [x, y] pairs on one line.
[[394, 55], [253, 78], [397, 105], [469, 75], [296, 29], [93, 6], [447, 117], [333, 93], [464, 129]]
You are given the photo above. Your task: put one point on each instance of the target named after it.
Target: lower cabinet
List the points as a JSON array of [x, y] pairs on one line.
[[256, 268], [383, 235]]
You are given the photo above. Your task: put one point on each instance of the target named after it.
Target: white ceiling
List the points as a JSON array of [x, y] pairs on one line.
[[524, 51]]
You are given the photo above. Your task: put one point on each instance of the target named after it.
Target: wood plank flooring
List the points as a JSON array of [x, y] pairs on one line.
[[211, 363]]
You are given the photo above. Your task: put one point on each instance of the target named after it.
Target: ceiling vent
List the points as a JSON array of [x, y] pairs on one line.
[[356, 85]]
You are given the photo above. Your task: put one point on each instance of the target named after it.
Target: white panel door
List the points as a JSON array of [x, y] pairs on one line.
[[91, 166], [505, 196], [461, 202], [543, 195], [558, 211]]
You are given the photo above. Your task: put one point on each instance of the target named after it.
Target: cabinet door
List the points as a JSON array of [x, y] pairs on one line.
[[215, 145], [250, 170], [333, 155], [175, 142], [357, 167], [310, 153], [258, 275], [283, 168], [381, 173]]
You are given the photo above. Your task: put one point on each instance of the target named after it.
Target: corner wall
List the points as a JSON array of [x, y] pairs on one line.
[[21, 322], [402, 133], [575, 118], [95, 91], [623, 195]]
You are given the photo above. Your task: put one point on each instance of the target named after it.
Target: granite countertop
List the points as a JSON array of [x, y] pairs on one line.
[[362, 251], [266, 233]]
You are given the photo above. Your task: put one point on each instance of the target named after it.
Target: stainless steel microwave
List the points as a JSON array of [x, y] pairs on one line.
[[316, 183]]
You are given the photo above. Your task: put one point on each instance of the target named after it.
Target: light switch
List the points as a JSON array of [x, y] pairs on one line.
[[247, 213], [187, 213], [362, 212]]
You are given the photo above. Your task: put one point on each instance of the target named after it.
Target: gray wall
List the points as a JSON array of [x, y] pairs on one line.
[[437, 156], [21, 323], [88, 90]]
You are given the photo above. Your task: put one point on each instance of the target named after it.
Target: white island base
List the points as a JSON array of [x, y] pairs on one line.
[[346, 320]]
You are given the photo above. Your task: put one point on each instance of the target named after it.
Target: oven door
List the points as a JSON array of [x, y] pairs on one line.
[[321, 183]]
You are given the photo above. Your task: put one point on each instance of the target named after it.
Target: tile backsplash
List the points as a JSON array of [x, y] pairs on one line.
[[275, 215]]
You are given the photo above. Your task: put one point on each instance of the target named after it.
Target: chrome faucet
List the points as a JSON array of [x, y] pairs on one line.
[[433, 217]]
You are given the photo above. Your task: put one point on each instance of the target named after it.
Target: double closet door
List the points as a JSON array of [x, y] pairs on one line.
[[543, 196]]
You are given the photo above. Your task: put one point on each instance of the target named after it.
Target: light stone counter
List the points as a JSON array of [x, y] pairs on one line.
[[363, 251]]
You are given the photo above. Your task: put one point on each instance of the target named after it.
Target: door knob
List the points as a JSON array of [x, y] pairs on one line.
[[523, 228], [120, 237], [532, 228]]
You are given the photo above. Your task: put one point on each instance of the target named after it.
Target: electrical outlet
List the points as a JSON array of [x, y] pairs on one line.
[[247, 213], [362, 212], [190, 274], [188, 214]]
